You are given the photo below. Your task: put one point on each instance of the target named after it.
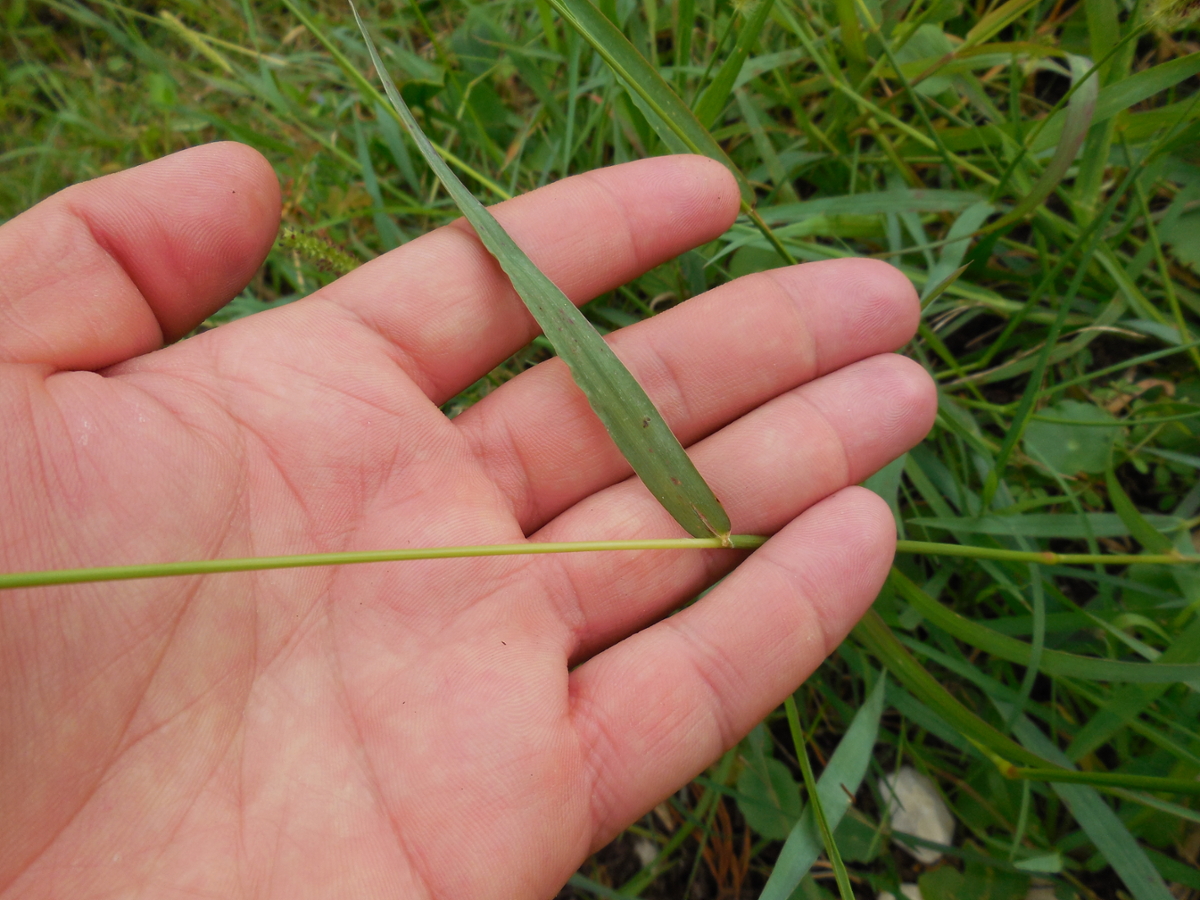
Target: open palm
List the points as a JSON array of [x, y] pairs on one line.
[[456, 728]]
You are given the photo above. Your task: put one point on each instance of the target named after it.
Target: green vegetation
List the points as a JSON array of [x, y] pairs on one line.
[[1046, 150]]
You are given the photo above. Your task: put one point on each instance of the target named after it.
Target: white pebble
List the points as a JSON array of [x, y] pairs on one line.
[[916, 808], [910, 892]]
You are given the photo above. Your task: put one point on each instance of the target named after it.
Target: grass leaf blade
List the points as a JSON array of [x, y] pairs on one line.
[[636, 426], [874, 634], [668, 114], [1054, 662], [1153, 541], [716, 95], [847, 767], [1079, 112], [1105, 829], [994, 22]]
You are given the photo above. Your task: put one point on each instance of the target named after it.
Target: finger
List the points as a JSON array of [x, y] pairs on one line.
[[658, 707], [703, 364], [452, 314], [767, 467], [108, 269]]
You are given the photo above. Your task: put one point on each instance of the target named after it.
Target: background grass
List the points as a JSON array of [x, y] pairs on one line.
[[932, 133]]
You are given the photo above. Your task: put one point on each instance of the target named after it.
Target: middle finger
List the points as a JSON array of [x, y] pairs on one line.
[[704, 364]]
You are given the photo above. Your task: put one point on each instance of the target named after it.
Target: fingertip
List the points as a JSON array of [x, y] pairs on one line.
[[189, 229], [889, 296], [254, 196], [881, 407], [847, 540], [875, 538], [244, 223], [868, 547], [916, 392], [709, 190], [687, 199], [852, 307]]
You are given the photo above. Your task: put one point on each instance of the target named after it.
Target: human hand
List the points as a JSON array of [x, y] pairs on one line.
[[438, 729]]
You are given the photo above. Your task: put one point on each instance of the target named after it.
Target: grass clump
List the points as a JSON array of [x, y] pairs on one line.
[[1047, 150]]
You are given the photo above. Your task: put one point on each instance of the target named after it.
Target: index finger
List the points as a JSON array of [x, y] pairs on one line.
[[444, 303]]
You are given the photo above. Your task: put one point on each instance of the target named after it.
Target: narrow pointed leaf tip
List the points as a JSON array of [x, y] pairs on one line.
[[635, 425]]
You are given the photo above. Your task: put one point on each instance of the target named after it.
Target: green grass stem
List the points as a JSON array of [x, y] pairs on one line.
[[929, 548], [814, 798], [353, 557], [51, 577]]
